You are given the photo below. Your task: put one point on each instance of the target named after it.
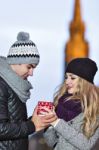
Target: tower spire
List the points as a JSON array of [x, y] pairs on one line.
[[77, 12], [77, 46]]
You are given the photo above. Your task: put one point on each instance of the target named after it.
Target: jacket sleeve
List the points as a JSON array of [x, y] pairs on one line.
[[11, 130], [50, 136], [75, 137]]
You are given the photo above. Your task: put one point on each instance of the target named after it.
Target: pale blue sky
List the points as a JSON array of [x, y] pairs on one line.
[[48, 24]]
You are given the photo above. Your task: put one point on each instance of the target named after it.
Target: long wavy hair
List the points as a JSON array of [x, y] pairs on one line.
[[89, 96]]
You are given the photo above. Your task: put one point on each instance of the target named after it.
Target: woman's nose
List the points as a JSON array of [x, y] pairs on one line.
[[68, 81]]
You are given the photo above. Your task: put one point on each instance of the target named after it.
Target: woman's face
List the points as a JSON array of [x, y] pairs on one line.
[[71, 82]]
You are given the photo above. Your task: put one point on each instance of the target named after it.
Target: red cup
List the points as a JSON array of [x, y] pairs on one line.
[[46, 104]]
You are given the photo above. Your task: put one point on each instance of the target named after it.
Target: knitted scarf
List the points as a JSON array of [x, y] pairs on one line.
[[68, 109], [20, 86]]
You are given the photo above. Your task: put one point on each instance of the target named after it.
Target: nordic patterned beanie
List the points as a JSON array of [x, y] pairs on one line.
[[23, 51], [83, 67]]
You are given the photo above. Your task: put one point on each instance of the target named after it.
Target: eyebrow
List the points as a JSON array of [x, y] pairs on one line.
[[71, 75], [32, 65]]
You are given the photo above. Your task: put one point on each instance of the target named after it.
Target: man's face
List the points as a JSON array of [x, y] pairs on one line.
[[23, 70]]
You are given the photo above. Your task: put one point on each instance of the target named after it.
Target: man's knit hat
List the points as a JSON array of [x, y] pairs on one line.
[[23, 51], [83, 67]]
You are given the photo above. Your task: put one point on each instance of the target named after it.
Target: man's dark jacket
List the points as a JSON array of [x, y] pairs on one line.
[[14, 125]]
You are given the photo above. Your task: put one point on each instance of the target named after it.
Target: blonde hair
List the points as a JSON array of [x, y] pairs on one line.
[[89, 97]]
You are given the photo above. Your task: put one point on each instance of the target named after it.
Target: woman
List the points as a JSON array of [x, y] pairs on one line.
[[77, 109]]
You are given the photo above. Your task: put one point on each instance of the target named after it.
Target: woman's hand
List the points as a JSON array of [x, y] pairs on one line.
[[49, 112], [44, 120]]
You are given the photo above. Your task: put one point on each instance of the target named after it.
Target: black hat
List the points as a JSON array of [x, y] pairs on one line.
[[83, 67]]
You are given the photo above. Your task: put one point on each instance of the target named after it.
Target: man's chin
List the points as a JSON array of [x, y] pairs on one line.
[[25, 78]]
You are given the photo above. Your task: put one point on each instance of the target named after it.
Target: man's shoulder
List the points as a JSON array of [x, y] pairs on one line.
[[3, 84], [2, 81]]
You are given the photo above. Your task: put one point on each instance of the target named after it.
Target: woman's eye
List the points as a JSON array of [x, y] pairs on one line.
[[72, 78], [66, 77]]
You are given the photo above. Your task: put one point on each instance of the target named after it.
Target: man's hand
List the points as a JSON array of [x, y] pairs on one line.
[[42, 121]]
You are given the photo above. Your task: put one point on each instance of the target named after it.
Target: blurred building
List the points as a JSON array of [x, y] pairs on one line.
[[77, 46]]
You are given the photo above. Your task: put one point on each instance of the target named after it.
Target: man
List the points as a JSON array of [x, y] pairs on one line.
[[22, 59]]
